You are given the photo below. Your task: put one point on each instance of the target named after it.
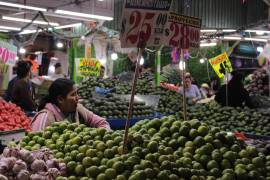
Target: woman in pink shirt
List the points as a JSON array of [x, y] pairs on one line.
[[62, 104]]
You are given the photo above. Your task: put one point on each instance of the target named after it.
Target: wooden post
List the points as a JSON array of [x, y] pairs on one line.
[[131, 102]]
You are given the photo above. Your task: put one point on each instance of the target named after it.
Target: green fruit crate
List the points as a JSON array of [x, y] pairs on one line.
[[117, 124]]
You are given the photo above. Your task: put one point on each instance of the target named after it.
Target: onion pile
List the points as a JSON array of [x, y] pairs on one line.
[[259, 84], [24, 165]]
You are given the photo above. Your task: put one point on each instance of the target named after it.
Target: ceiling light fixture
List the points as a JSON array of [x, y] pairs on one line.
[[114, 56], [229, 30], [22, 50], [232, 38], [208, 44], [208, 30], [256, 39], [28, 31], [59, 45], [3, 30], [10, 28], [258, 31], [29, 21], [78, 14], [202, 60], [22, 6], [68, 26]]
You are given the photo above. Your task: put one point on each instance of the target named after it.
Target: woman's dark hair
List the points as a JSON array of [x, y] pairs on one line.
[[23, 68], [60, 87]]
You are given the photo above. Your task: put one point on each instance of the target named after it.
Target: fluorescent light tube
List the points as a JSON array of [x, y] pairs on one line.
[[232, 38], [229, 30], [28, 31], [21, 6], [10, 28], [28, 21], [3, 30], [257, 31], [208, 44], [208, 30], [72, 13], [256, 39], [68, 26]]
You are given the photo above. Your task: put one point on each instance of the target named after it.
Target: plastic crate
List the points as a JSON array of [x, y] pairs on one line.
[[120, 123]]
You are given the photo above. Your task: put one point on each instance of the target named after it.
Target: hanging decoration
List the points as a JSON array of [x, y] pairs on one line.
[[186, 54]]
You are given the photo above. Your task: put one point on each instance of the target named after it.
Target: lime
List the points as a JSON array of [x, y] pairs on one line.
[[79, 157], [71, 166], [87, 162], [152, 146], [101, 177], [83, 149], [91, 153], [110, 173], [119, 166], [92, 171], [101, 146]]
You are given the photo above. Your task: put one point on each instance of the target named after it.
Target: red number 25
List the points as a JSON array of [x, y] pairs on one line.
[[142, 33]]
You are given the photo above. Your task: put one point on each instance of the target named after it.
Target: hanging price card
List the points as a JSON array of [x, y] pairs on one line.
[[182, 31], [144, 21]]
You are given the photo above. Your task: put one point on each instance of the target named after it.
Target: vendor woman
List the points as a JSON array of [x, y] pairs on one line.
[[192, 91], [62, 104]]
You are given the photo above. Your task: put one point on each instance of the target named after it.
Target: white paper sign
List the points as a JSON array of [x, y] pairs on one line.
[[144, 21]]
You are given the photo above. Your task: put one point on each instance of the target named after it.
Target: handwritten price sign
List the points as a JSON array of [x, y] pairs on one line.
[[89, 67], [183, 31], [144, 21]]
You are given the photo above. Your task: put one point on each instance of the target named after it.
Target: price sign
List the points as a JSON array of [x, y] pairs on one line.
[[183, 31], [89, 67], [221, 64], [144, 21]]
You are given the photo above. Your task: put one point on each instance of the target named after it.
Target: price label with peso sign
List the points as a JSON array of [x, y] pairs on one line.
[[183, 31], [144, 21]]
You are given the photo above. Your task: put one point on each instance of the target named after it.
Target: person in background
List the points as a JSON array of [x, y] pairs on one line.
[[101, 72], [22, 92], [58, 72], [237, 94], [62, 104], [206, 92], [192, 91], [193, 81]]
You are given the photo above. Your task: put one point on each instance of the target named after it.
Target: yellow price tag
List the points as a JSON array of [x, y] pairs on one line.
[[221, 64]]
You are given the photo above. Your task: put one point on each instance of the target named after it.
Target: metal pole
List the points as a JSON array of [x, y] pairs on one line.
[[226, 81], [269, 79], [183, 83], [158, 61], [130, 108]]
